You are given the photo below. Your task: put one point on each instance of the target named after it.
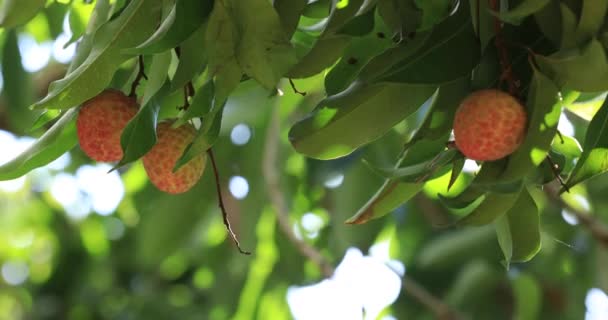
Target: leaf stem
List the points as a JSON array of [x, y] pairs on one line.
[[503, 54], [220, 202], [140, 74]]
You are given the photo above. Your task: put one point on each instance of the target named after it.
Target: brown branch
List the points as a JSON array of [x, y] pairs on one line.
[[503, 53], [597, 228], [188, 87], [293, 86], [140, 74], [277, 199], [220, 202]]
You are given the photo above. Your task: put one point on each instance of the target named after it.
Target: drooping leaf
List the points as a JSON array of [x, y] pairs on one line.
[[433, 11], [289, 12], [545, 102], [412, 173], [133, 25], [466, 199], [139, 136], [356, 56], [457, 166], [594, 159], [78, 14], [522, 10], [340, 15], [17, 12], [340, 123], [183, 20], [323, 54], [201, 104], [493, 206], [549, 21], [518, 231], [192, 59], [528, 295], [571, 68], [403, 17], [263, 50], [569, 24], [157, 75], [56, 141], [434, 63]]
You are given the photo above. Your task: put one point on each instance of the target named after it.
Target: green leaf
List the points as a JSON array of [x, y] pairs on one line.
[[434, 63], [207, 136], [157, 75], [411, 173], [568, 37], [457, 166], [192, 59], [594, 159], [263, 50], [470, 197], [134, 24], [549, 21], [592, 18], [56, 141], [139, 136], [221, 39], [571, 68], [528, 295], [355, 57], [433, 11], [201, 104], [483, 23], [324, 53], [403, 17], [183, 20], [544, 99], [289, 12], [494, 206], [340, 15], [78, 14], [17, 12], [566, 145], [17, 91], [340, 123], [522, 10], [518, 231]]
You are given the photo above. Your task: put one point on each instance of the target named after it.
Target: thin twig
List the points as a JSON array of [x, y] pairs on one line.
[[503, 53], [293, 86], [271, 177], [555, 169], [598, 230], [220, 202], [140, 74]]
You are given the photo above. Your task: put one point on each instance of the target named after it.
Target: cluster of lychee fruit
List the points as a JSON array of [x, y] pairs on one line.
[[100, 123]]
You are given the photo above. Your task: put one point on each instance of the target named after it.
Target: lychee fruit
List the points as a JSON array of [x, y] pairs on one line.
[[489, 125], [161, 159], [100, 123]]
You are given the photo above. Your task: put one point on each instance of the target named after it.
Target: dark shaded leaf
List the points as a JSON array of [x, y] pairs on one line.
[[192, 59], [522, 10]]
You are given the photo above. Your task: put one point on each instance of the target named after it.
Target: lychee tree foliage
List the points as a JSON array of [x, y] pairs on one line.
[[398, 66]]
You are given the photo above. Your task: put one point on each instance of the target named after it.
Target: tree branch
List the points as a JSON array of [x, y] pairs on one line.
[[597, 228], [503, 53], [140, 74], [220, 202]]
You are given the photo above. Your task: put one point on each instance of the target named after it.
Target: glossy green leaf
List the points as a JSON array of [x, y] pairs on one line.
[[594, 159], [263, 50], [549, 22], [467, 199], [570, 69], [192, 59], [566, 145], [139, 136], [494, 206], [417, 171], [157, 75], [17, 12], [79, 13], [452, 40], [183, 20], [522, 10], [457, 166], [134, 24], [340, 123], [518, 231], [56, 141], [201, 104], [545, 102], [324, 53], [205, 137], [356, 56]]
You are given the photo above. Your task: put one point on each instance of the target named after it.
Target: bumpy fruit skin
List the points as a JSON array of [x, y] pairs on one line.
[[489, 125], [100, 123], [161, 159]]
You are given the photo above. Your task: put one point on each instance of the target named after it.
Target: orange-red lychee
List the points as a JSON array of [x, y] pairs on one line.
[[489, 125], [100, 123], [161, 159]]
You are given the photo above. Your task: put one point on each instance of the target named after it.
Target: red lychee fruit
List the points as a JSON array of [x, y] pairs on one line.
[[100, 123], [161, 159], [489, 125]]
